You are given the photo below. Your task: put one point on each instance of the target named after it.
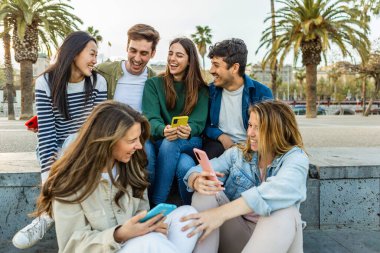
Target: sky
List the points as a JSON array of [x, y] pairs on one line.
[[242, 19]]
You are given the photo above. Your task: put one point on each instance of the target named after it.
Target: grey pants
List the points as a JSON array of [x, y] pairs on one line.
[[277, 233]]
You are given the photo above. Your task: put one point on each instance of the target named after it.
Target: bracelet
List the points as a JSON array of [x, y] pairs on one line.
[[195, 179]]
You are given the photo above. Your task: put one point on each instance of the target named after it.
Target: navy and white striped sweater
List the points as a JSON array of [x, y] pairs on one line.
[[53, 128]]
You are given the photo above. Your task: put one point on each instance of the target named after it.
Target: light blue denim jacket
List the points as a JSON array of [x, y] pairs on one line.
[[285, 184]]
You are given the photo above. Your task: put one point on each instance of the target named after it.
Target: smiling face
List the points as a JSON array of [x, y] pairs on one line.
[[253, 131], [85, 61], [126, 146], [139, 54], [223, 76], [178, 60]]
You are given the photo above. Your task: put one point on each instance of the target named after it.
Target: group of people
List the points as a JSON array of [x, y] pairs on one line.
[[108, 152]]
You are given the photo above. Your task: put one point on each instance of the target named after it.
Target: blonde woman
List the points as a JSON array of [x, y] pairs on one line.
[[97, 191], [256, 209]]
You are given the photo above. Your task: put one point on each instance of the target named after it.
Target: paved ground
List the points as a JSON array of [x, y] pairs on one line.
[[324, 131], [315, 241]]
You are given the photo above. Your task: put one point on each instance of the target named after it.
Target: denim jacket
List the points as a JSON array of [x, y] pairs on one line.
[[253, 92], [285, 184]]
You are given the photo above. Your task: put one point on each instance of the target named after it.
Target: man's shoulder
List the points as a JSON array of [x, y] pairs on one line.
[[106, 67], [151, 72], [260, 88]]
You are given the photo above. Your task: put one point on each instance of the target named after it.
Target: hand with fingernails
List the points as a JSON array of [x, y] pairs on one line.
[[205, 222], [133, 228], [170, 133], [201, 183], [183, 132]]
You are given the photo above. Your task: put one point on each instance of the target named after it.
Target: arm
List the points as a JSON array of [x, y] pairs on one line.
[[211, 219], [285, 189], [211, 130], [152, 110], [74, 233], [198, 117], [47, 139], [221, 164], [100, 89]]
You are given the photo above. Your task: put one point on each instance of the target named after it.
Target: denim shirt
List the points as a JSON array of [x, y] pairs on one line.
[[285, 184], [253, 92]]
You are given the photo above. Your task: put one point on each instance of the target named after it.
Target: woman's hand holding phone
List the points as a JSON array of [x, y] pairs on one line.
[[202, 184], [133, 227], [170, 133], [184, 131]]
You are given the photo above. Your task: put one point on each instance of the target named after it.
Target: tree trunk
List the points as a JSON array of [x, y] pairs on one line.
[[26, 73], [8, 72], [311, 91], [374, 94], [274, 69], [364, 90]]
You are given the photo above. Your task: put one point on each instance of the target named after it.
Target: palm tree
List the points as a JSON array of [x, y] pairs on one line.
[[9, 87], [334, 73], [31, 21], [300, 75], [95, 33], [310, 26], [201, 38], [368, 7], [274, 63]]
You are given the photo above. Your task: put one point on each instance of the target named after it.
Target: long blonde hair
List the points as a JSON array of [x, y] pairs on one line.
[[79, 170], [278, 130]]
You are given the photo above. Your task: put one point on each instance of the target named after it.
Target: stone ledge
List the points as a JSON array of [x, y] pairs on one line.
[[344, 163]]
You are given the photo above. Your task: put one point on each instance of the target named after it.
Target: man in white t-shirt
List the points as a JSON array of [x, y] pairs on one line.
[[231, 94], [126, 79]]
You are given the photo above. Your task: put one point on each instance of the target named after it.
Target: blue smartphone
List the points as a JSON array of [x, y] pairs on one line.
[[165, 209]]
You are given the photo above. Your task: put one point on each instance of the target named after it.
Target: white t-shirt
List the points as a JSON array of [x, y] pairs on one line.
[[129, 88], [230, 116]]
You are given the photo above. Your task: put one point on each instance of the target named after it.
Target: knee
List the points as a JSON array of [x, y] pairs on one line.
[[150, 150], [181, 211], [169, 146], [185, 163], [186, 210], [203, 202]]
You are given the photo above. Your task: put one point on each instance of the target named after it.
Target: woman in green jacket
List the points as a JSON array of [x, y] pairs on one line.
[[180, 91]]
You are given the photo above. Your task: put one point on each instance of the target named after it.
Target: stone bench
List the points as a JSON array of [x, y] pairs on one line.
[[343, 190]]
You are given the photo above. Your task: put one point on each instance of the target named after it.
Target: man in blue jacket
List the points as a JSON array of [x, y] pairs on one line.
[[231, 93]]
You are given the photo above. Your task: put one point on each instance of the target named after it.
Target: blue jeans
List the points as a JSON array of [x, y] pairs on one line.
[[165, 161]]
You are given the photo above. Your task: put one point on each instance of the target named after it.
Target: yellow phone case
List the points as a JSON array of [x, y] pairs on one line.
[[179, 121]]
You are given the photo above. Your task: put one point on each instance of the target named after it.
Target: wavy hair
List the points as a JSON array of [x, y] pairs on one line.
[[278, 130], [81, 165]]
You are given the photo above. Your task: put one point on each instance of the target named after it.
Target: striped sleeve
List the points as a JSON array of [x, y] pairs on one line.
[[47, 136], [100, 90]]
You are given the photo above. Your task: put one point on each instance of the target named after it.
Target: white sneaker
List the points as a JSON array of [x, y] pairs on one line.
[[32, 233]]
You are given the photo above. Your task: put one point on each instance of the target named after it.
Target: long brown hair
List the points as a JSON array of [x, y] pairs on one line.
[[278, 130], [193, 78], [80, 168]]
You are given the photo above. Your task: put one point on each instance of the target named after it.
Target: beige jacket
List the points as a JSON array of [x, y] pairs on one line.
[[89, 226]]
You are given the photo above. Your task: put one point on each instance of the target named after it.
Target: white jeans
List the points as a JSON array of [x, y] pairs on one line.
[[176, 241]]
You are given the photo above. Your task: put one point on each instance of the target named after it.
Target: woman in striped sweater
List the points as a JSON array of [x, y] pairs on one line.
[[66, 93]]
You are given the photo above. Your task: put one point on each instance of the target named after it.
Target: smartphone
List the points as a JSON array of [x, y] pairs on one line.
[[165, 209], [179, 121], [32, 122], [205, 163]]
